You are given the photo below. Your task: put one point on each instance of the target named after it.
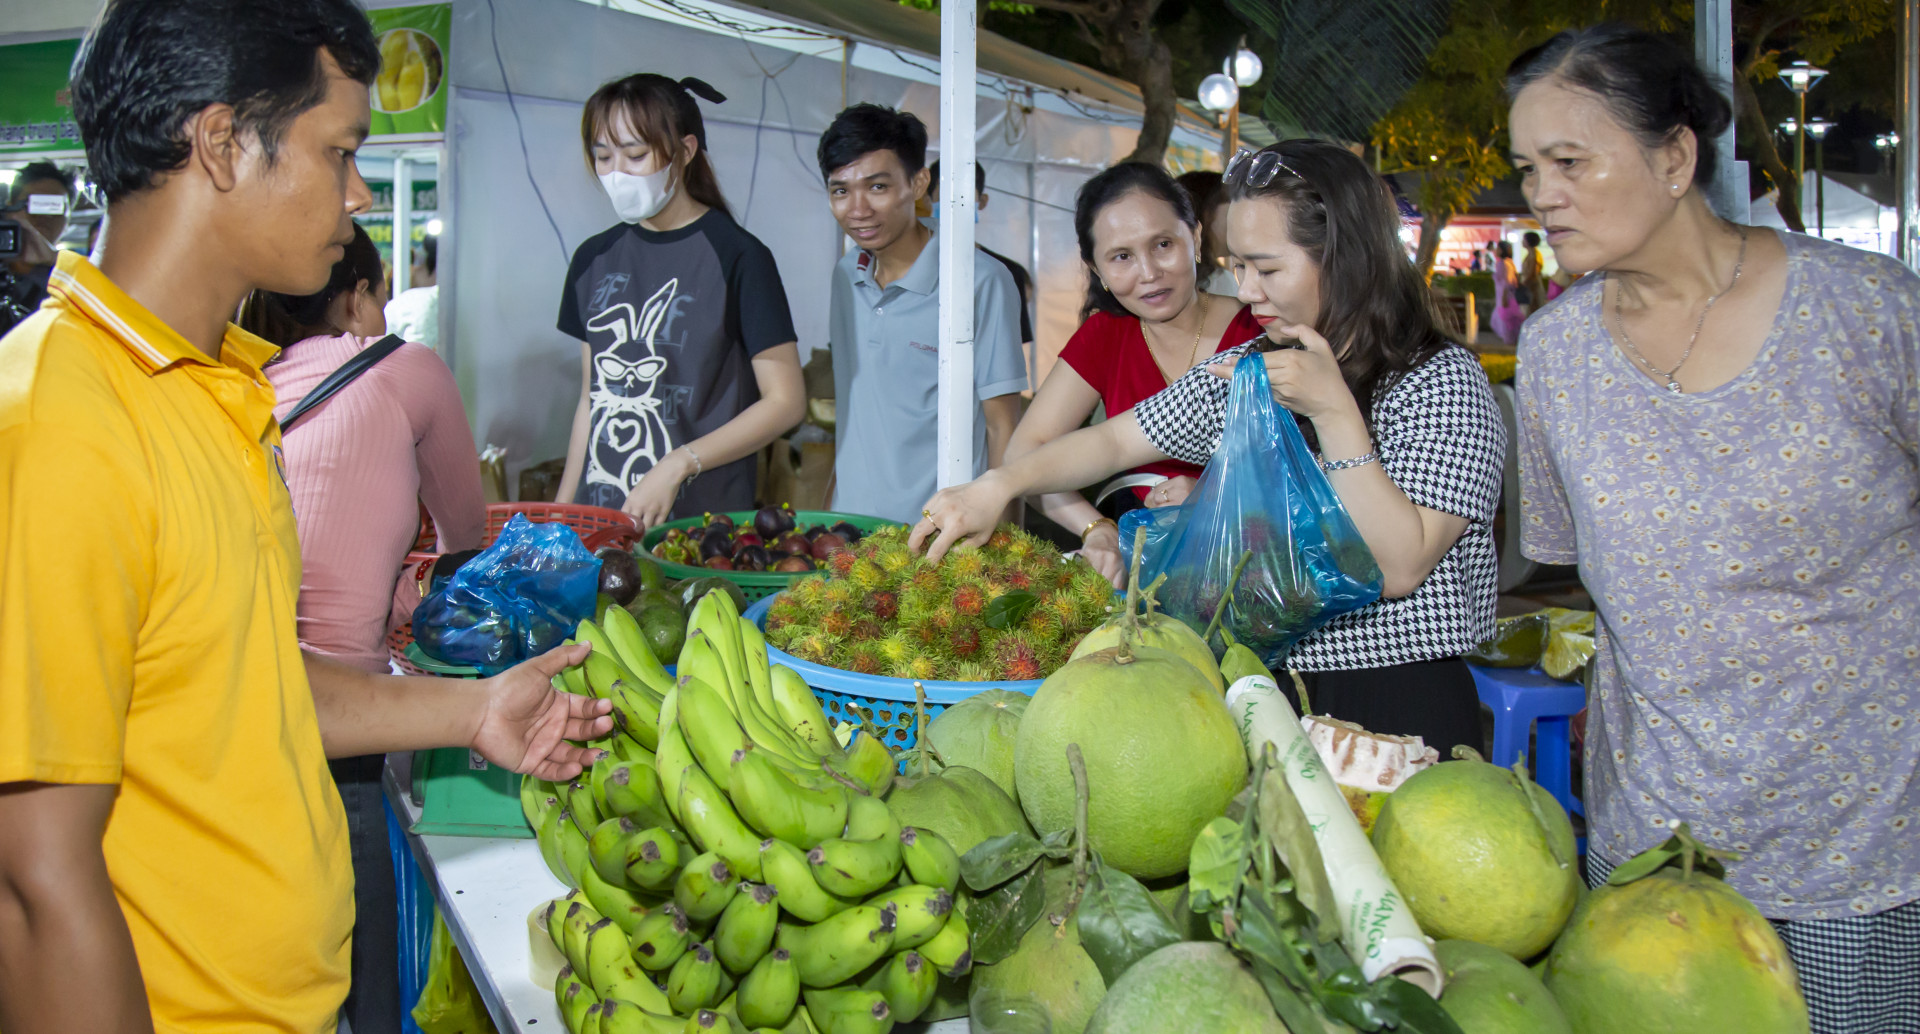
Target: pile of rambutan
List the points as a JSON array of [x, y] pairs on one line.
[[881, 609]]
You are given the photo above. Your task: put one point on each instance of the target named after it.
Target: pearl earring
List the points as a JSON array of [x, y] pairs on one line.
[[1676, 188]]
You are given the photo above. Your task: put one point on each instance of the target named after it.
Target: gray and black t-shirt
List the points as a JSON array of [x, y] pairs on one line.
[[673, 319]]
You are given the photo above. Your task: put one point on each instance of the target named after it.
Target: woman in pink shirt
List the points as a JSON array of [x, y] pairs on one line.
[[358, 466]]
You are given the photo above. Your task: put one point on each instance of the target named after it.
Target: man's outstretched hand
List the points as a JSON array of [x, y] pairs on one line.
[[526, 723]]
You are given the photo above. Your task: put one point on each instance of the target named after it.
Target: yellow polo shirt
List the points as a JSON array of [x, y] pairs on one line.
[[148, 574]]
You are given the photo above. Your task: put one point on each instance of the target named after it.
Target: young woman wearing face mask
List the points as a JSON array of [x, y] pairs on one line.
[[1404, 424], [1720, 425], [1146, 323], [688, 364]]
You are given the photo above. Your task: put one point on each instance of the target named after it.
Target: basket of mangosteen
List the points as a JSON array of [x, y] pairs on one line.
[[761, 551]]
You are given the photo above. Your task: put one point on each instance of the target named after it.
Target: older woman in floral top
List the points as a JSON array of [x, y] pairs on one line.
[[1722, 429]]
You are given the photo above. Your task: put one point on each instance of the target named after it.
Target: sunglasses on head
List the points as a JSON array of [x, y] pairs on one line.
[[1257, 168]]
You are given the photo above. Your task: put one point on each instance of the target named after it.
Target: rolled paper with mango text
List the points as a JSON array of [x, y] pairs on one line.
[[1376, 927]]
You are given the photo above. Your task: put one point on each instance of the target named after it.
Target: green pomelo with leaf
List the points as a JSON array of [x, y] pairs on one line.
[[1049, 966], [1163, 757], [1673, 952], [979, 733], [960, 804], [1490, 992], [1478, 858], [1139, 621], [1186, 987]]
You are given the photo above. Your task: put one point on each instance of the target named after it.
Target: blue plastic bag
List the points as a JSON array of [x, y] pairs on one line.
[[519, 598], [1261, 494]]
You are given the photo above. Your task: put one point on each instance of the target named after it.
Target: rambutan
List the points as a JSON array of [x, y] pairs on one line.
[[922, 667], [784, 610], [817, 647], [1016, 658], [894, 560], [838, 594], [925, 578], [863, 658], [1019, 581], [970, 600], [965, 565], [1042, 625], [1002, 537], [836, 623], [973, 671], [897, 649], [866, 575], [841, 562], [883, 604], [964, 642], [866, 630]]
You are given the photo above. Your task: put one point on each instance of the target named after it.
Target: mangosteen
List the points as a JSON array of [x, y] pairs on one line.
[[719, 520], [793, 564], [794, 544], [815, 532], [716, 543], [752, 558], [719, 563], [824, 546], [674, 535], [745, 539], [773, 521], [619, 574], [847, 532]]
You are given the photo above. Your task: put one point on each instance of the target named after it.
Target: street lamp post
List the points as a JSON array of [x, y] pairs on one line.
[[1800, 78], [1818, 127]]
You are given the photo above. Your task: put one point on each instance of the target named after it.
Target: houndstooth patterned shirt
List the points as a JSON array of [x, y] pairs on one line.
[[1441, 441]]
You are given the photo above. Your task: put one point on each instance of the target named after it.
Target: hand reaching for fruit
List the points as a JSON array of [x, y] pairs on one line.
[[526, 724], [651, 501]]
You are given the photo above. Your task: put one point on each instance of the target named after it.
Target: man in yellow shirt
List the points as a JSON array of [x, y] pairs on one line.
[[173, 855]]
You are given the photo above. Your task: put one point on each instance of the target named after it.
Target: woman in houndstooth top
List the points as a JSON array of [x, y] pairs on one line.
[[1404, 423]]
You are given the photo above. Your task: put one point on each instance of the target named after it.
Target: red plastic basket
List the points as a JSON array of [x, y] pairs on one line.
[[597, 525]]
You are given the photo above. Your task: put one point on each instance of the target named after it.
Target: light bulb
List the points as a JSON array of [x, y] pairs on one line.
[[434, 226], [1244, 67], [1219, 93]]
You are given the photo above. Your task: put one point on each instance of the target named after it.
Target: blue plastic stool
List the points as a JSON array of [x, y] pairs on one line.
[[1520, 699]]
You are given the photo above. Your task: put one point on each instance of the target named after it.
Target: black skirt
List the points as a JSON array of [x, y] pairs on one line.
[[1434, 700]]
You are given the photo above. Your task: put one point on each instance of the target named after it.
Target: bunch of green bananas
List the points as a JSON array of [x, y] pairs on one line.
[[734, 865]]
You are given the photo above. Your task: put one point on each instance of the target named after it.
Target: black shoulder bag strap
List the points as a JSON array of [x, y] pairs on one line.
[[348, 372]]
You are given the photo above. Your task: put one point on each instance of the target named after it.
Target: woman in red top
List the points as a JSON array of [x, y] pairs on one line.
[[1146, 323]]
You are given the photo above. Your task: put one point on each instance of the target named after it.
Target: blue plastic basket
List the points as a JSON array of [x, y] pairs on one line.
[[883, 705]]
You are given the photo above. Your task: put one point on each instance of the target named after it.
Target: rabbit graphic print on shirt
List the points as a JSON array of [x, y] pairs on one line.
[[671, 320]]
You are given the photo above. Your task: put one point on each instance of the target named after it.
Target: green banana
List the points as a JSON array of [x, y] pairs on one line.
[[919, 913], [574, 998], [555, 916], [832, 951], [662, 937], [586, 812], [705, 887], [929, 859], [652, 858], [704, 812], [1240, 662], [574, 680], [694, 982], [547, 834], [636, 714], [620, 1016], [715, 618], [619, 904], [950, 950], [575, 922], [706, 1021], [753, 650], [632, 789], [590, 633], [671, 758], [745, 930], [909, 982], [605, 673], [701, 660], [869, 764], [785, 867], [710, 728], [611, 970], [770, 991], [864, 860], [573, 849], [773, 803], [630, 645], [590, 1020], [849, 1010], [799, 710], [606, 849], [626, 748], [534, 794]]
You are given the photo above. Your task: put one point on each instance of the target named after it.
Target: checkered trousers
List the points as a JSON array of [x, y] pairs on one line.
[[1860, 974], [1442, 442]]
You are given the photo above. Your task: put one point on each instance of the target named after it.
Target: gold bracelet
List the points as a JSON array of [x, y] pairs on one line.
[[1088, 530]]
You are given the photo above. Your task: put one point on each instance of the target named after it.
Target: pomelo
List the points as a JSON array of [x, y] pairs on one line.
[[1669, 953], [979, 733], [1049, 966], [1489, 992], [1159, 632], [1186, 988], [1475, 860], [1163, 757], [960, 804]]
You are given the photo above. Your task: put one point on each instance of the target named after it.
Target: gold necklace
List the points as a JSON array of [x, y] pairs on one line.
[[1193, 354], [1673, 386]]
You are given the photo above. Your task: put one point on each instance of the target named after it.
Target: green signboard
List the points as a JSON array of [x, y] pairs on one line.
[[34, 114], [410, 94]]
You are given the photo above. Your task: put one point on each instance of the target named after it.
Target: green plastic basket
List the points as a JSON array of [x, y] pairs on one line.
[[755, 585], [460, 793]]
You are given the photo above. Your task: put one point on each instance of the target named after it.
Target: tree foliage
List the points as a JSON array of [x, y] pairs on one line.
[[1346, 63]]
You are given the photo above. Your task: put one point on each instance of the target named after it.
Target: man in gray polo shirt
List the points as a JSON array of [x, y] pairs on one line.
[[885, 323]]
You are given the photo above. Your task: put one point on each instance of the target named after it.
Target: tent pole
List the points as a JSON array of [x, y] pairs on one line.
[[958, 117], [402, 223], [1727, 192]]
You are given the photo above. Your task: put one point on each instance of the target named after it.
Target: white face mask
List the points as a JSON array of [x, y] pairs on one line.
[[638, 197]]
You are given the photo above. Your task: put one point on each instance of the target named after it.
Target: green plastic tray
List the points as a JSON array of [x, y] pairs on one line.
[[755, 585], [460, 793]]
